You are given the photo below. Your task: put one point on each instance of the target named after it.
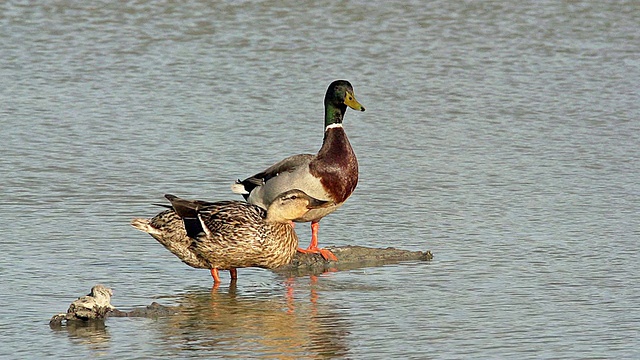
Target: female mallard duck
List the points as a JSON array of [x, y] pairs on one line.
[[330, 175], [227, 235]]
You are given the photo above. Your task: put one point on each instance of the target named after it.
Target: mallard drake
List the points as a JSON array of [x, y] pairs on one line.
[[226, 235], [330, 175]]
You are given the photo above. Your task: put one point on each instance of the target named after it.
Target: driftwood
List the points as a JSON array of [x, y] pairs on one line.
[[93, 306], [91, 310]]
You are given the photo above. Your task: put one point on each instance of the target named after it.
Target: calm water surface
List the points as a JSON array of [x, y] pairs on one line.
[[501, 136]]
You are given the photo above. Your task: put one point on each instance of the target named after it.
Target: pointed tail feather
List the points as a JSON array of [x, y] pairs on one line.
[[144, 225]]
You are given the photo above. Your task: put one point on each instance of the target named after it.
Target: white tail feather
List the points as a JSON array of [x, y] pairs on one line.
[[238, 188]]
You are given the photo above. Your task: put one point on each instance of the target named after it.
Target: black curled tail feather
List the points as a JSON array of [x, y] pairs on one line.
[[246, 186]]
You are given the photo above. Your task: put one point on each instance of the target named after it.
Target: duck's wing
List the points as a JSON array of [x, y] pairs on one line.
[[290, 164], [229, 214], [231, 229], [188, 212]]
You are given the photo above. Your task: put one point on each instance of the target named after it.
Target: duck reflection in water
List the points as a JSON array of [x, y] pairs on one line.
[[267, 322]]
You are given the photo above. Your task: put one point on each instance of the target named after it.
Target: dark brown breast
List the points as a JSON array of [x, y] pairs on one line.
[[336, 165]]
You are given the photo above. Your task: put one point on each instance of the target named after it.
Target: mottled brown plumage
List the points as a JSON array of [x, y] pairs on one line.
[[230, 234]]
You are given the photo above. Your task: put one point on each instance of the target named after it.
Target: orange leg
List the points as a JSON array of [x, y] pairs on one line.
[[215, 276], [313, 247], [234, 274], [315, 227]]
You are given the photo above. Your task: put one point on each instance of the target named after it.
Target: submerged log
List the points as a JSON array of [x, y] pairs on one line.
[[350, 258], [149, 311], [96, 306]]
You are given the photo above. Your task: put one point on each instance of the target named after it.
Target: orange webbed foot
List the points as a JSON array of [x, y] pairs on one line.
[[325, 253], [313, 247]]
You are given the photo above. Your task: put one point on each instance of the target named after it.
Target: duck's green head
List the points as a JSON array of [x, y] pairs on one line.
[[339, 96]]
